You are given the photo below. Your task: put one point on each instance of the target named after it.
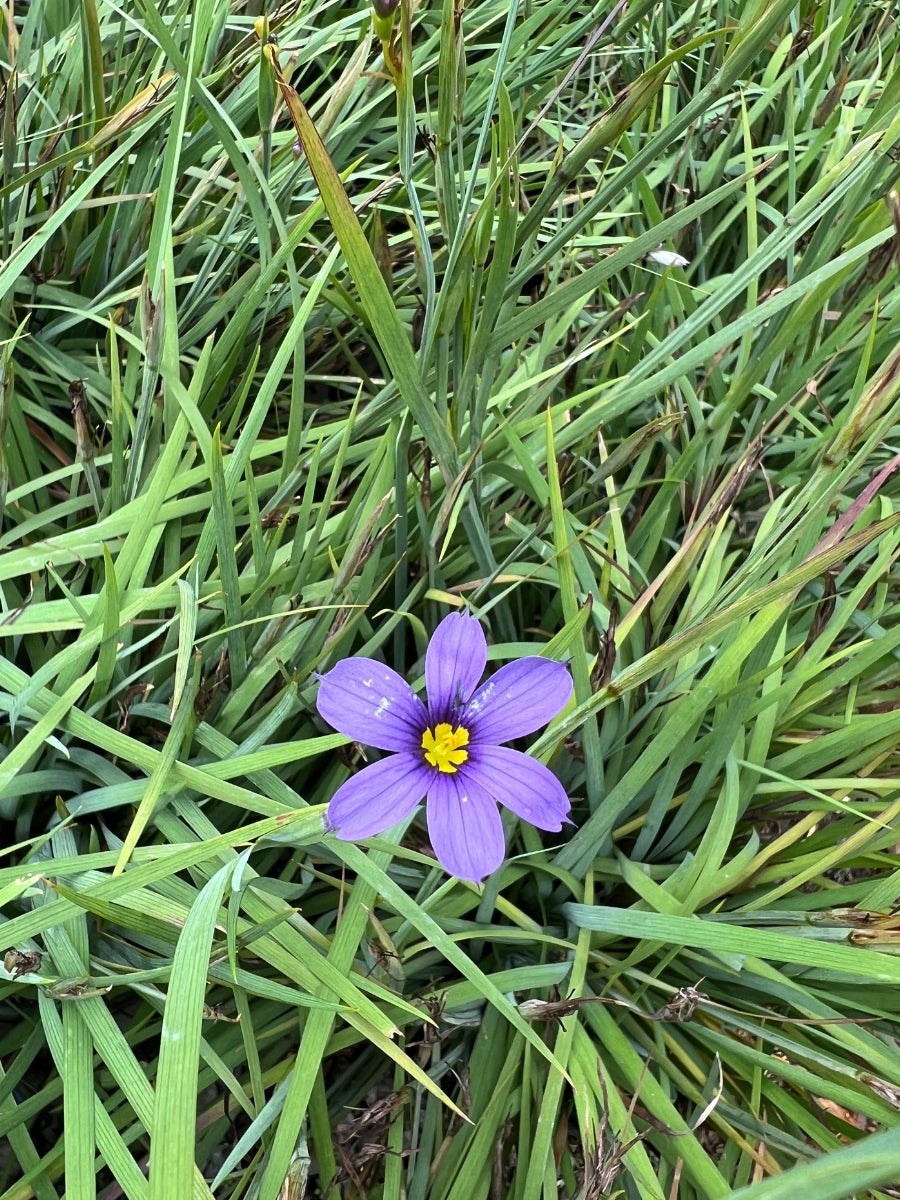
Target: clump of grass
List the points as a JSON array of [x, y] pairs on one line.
[[586, 320]]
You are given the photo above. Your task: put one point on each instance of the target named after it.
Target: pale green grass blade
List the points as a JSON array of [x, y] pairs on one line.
[[172, 1170], [846, 1171]]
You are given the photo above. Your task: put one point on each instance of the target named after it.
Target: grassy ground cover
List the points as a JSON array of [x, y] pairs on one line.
[[584, 317]]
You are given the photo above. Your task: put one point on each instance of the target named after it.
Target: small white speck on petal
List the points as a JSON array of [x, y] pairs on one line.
[[485, 694]]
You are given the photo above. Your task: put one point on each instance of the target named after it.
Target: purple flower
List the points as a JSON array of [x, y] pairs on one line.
[[450, 749]]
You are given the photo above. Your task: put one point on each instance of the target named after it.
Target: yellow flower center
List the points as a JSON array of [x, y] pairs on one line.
[[442, 747]]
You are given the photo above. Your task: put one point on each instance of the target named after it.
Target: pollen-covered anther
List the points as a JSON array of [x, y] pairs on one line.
[[443, 747]]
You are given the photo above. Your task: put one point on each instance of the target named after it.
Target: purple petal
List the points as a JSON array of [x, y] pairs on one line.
[[521, 783], [370, 703], [377, 797], [517, 700], [464, 826], [454, 663]]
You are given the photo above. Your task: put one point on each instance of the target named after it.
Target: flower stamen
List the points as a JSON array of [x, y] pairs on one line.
[[443, 747]]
